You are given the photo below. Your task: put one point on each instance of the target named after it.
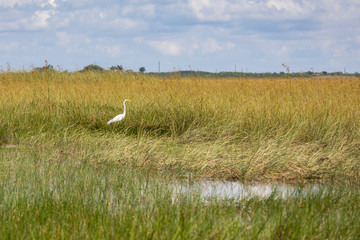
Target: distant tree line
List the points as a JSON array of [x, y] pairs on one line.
[[45, 68], [190, 73], [93, 67], [117, 68]]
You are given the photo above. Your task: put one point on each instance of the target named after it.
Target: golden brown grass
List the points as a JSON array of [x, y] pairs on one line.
[[252, 129]]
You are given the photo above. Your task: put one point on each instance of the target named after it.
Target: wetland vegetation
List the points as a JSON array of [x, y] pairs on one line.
[[64, 173]]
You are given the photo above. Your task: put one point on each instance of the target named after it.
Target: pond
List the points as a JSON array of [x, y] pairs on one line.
[[238, 190]]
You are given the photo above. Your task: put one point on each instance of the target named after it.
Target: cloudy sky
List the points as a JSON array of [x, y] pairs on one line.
[[209, 35]]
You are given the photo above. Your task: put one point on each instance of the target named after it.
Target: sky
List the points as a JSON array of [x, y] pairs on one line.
[[201, 35]]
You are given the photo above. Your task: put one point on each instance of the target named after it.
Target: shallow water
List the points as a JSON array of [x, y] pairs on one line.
[[238, 190]]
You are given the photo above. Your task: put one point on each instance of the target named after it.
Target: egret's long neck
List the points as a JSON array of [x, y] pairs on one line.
[[124, 108]]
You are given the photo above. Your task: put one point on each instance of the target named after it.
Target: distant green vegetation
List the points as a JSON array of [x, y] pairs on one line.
[[308, 74], [205, 74], [93, 67]]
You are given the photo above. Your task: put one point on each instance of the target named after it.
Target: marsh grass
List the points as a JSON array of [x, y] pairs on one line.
[[65, 174], [250, 129], [45, 198]]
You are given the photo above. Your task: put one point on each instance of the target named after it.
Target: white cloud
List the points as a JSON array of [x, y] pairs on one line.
[[125, 24], [72, 42], [230, 45], [210, 10], [99, 20], [126, 10], [64, 39], [190, 46], [146, 10], [9, 46], [78, 43], [166, 47], [291, 8], [337, 13], [12, 3], [40, 20], [229, 10], [42, 3], [211, 46], [110, 50], [50, 3]]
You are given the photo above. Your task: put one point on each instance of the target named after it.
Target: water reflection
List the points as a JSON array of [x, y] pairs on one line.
[[238, 190]]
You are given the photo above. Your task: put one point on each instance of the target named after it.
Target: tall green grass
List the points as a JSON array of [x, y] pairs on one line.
[[45, 198], [288, 129]]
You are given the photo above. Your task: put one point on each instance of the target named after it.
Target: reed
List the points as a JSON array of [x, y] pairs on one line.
[[251, 129], [66, 174], [46, 198]]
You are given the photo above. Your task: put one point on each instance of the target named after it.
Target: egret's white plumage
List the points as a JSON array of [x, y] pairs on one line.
[[119, 117]]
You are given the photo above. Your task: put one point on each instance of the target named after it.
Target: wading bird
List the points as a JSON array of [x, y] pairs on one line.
[[119, 117]]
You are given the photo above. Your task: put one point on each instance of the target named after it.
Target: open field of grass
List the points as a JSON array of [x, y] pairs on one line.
[[66, 174], [247, 129]]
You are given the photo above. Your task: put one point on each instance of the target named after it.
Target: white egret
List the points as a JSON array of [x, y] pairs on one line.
[[119, 117]]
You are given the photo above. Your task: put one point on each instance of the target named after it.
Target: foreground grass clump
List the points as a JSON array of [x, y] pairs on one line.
[[45, 198], [250, 129]]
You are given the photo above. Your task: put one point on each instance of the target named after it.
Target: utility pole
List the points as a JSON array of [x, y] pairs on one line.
[[159, 67]]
